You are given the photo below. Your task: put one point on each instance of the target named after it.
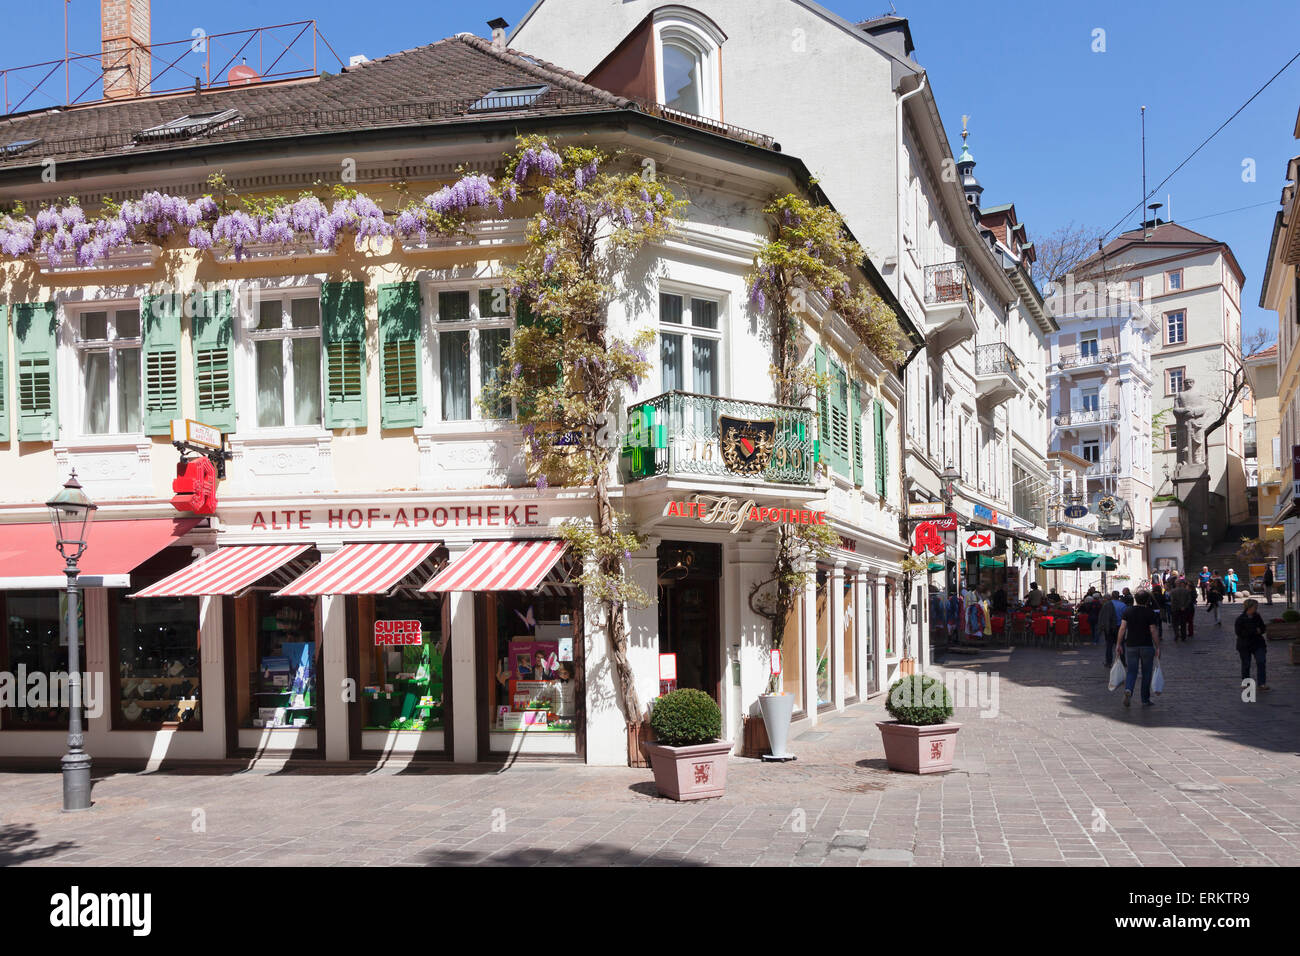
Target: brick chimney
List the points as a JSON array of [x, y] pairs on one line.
[[498, 26], [124, 53]]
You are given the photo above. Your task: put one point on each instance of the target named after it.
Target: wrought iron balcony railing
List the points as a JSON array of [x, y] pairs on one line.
[[1089, 416], [680, 433], [997, 359], [946, 282], [1107, 466], [1084, 359]]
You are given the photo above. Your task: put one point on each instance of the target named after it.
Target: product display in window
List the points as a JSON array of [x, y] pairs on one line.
[[284, 693], [158, 660], [402, 670], [534, 688], [37, 645]]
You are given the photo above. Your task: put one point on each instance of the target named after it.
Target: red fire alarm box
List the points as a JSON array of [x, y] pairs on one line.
[[195, 486]]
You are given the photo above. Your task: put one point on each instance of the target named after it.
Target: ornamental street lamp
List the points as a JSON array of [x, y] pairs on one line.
[[71, 513], [948, 479]]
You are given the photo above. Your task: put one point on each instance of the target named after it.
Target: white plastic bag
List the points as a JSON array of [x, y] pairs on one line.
[[1117, 674], [1158, 680]]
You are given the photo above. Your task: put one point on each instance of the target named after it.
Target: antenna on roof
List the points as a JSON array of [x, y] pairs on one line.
[[1144, 167]]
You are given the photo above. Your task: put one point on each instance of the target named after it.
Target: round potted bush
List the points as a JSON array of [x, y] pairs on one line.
[[687, 756], [919, 739]]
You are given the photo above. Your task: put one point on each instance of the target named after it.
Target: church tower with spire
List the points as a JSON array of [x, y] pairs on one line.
[[966, 170]]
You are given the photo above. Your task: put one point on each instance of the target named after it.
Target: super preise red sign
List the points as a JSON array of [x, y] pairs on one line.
[[396, 633]]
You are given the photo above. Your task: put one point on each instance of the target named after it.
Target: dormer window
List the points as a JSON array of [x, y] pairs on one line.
[[192, 124], [688, 46]]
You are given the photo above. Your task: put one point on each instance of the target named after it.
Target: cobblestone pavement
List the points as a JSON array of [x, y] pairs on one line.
[[1063, 775]]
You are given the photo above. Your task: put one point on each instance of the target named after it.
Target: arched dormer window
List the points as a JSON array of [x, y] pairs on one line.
[[687, 47]]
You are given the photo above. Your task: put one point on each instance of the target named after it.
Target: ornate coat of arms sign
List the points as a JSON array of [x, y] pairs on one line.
[[746, 445]]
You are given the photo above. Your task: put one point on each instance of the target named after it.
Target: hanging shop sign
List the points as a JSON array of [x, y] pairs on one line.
[[746, 445], [979, 541], [722, 509], [186, 431], [395, 519], [925, 509], [1076, 511], [195, 486], [926, 539], [397, 633]]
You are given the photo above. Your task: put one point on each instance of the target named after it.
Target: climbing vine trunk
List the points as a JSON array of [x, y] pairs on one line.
[[615, 625]]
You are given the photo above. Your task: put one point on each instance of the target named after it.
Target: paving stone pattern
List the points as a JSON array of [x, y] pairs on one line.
[[1064, 775]]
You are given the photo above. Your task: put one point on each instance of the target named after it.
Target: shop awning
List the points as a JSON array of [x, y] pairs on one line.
[[500, 566], [226, 571], [362, 569], [29, 557]]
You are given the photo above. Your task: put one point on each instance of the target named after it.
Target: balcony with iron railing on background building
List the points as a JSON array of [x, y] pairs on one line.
[[997, 373], [1104, 468], [949, 306], [1086, 359], [1100, 415], [680, 434]]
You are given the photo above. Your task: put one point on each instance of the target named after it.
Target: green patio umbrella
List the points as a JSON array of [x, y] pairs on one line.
[[934, 566], [987, 562], [1080, 561]]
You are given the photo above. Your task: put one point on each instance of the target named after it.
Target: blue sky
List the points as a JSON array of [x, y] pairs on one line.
[[1054, 124]]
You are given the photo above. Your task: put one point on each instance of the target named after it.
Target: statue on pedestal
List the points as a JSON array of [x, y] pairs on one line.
[[1189, 430]]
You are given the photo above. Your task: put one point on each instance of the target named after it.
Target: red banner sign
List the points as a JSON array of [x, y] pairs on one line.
[[396, 633]]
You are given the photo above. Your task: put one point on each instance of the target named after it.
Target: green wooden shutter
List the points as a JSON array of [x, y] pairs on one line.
[[35, 351], [399, 349], [855, 419], [162, 363], [4, 372], [343, 341], [841, 441], [214, 352], [881, 464], [823, 407]]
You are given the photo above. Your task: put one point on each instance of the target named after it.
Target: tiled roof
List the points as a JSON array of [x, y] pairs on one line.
[[437, 83]]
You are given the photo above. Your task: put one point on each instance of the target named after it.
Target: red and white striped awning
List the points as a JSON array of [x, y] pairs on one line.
[[362, 569], [226, 571], [500, 566]]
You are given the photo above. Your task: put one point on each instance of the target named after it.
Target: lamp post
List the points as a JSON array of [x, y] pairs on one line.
[[71, 513], [947, 491]]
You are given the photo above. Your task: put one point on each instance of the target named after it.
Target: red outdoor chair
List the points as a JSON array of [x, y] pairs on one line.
[[1019, 625], [999, 622], [1042, 624], [1061, 629], [1085, 626]]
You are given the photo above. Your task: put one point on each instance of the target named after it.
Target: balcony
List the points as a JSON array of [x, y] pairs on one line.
[[1101, 415], [997, 374], [949, 306], [679, 434], [1104, 468], [1094, 358]]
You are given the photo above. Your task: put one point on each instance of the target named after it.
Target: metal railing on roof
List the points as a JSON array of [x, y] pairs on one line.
[[279, 52], [705, 123]]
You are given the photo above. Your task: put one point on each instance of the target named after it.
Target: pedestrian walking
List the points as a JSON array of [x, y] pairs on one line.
[[1230, 582], [1204, 578], [1251, 642], [1182, 608], [1108, 622], [1158, 607], [1268, 583], [1139, 632], [1215, 598]]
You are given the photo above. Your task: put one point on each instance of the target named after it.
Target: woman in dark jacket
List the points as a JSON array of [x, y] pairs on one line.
[[1251, 642]]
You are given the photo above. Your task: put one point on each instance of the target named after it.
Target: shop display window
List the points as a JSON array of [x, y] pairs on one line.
[[824, 697], [849, 637], [537, 678], [402, 647], [35, 643], [158, 668], [792, 654], [282, 691]]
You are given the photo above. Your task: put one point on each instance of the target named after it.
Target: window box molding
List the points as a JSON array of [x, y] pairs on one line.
[[470, 454], [282, 459], [488, 232], [140, 255], [110, 466], [272, 252]]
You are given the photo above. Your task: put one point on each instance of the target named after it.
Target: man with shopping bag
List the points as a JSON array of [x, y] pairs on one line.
[[1138, 630]]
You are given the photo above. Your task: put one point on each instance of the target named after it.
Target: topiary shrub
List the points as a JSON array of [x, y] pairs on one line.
[[685, 717], [919, 700], [1291, 616]]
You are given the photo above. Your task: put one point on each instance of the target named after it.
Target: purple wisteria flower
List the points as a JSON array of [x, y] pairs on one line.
[[544, 161]]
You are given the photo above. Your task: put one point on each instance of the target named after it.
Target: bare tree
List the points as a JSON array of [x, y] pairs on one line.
[[1064, 250], [1236, 384]]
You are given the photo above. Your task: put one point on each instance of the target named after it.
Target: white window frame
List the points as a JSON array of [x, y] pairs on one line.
[[1182, 327], [1169, 286], [686, 27], [286, 334], [475, 325], [688, 332], [112, 345], [1090, 443], [1169, 379], [1084, 339]]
